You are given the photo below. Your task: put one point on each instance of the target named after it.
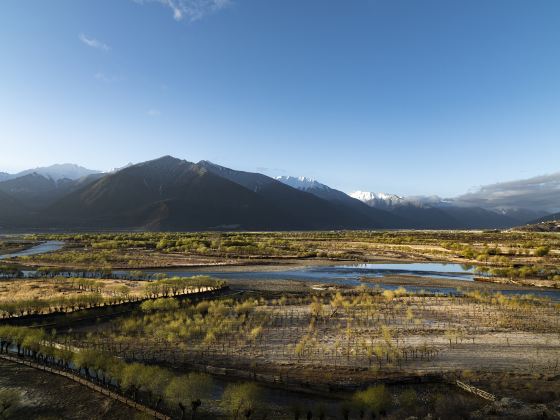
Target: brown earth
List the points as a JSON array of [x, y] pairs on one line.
[[47, 396]]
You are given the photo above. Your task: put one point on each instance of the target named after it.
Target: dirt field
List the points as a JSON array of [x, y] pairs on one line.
[[359, 337], [46, 396]]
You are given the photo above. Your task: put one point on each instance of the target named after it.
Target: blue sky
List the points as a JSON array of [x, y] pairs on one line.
[[408, 97]]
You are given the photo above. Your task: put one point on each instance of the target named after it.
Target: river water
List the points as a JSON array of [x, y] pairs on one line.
[[349, 274], [42, 248], [352, 275]]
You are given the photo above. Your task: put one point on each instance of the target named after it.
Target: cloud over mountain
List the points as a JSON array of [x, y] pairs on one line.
[[538, 193]]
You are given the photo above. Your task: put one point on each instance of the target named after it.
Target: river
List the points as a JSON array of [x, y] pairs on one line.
[[344, 275]]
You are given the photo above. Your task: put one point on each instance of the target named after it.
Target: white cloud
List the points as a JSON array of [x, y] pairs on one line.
[[154, 112], [191, 10], [94, 43]]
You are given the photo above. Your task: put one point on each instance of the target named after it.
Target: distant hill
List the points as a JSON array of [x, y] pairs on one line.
[[549, 218], [543, 226]]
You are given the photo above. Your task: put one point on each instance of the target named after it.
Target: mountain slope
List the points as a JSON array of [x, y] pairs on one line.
[[12, 213], [173, 194], [165, 193], [339, 199], [329, 208]]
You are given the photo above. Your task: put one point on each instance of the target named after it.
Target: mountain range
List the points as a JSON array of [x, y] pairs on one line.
[[174, 194]]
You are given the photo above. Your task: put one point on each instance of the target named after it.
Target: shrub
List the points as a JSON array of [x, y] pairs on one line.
[[375, 399]]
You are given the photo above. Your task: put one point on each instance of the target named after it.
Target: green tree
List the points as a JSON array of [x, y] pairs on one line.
[[241, 400], [542, 251], [375, 399], [190, 390]]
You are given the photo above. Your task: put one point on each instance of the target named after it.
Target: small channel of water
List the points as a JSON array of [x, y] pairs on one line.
[[43, 248]]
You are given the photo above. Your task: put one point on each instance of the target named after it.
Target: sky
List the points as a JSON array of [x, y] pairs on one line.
[[402, 96]]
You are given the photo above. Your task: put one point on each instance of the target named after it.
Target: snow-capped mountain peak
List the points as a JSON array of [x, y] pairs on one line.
[[301, 183], [377, 199]]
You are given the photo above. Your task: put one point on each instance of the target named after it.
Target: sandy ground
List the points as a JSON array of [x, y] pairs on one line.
[[418, 281], [47, 396]]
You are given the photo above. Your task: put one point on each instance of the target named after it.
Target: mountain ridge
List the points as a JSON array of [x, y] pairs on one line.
[[174, 194]]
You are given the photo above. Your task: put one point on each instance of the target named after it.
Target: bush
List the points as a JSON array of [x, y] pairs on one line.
[[241, 400], [542, 251], [375, 399], [408, 399]]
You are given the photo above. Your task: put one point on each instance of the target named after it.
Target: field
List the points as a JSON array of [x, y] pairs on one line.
[[276, 348]]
